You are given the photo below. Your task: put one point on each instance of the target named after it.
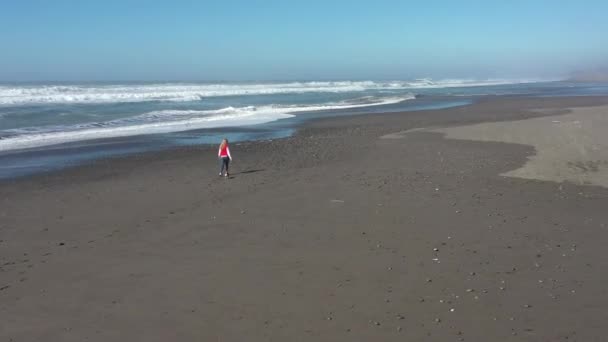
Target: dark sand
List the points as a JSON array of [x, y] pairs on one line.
[[325, 236]]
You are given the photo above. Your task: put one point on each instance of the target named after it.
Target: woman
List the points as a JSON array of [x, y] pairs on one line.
[[224, 154]]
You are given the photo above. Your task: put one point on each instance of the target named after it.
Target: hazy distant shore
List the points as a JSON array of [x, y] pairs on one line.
[[597, 75], [333, 234]]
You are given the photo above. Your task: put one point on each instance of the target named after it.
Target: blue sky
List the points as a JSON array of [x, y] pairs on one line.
[[278, 40]]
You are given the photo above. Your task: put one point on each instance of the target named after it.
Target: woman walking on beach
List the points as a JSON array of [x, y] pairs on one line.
[[224, 154]]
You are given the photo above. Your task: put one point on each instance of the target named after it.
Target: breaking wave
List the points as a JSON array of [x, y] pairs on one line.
[[181, 92], [166, 121]]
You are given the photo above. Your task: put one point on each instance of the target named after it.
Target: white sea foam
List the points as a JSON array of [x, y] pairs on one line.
[[62, 94], [166, 121]]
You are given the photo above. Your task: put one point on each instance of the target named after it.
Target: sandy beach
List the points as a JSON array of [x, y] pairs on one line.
[[477, 223]]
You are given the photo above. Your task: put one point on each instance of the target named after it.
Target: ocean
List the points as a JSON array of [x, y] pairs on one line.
[[48, 126]]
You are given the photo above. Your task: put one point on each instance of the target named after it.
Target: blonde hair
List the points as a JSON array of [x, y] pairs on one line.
[[224, 142]]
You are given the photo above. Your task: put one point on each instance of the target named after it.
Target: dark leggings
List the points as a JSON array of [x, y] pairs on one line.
[[224, 161]]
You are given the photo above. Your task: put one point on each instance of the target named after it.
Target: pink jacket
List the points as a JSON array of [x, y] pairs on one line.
[[224, 152]]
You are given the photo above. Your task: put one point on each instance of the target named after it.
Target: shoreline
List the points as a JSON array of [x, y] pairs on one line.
[[86, 152], [305, 123], [332, 234]]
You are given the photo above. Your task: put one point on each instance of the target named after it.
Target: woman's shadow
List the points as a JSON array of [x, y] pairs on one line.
[[250, 171], [246, 172]]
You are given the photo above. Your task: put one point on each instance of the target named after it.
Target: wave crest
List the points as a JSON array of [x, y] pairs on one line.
[[166, 121], [65, 94]]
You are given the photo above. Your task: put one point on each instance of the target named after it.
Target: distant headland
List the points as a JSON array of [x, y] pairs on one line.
[[593, 75]]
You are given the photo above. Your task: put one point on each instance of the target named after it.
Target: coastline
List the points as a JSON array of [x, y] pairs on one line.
[[26, 162], [98, 126], [311, 120], [329, 234]]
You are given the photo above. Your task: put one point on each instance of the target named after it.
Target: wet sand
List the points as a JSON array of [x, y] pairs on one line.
[[335, 234]]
